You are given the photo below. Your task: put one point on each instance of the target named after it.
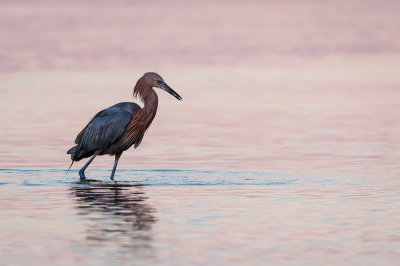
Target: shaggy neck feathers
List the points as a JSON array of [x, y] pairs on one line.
[[148, 96], [141, 120]]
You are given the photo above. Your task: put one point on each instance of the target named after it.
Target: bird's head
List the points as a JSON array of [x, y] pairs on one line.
[[154, 80]]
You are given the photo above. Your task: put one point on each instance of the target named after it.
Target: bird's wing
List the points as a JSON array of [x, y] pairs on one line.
[[78, 138], [104, 129], [124, 106]]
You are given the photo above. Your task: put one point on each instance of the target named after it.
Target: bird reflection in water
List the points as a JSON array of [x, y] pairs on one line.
[[118, 218]]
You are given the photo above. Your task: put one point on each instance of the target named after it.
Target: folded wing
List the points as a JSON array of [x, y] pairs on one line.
[[101, 132]]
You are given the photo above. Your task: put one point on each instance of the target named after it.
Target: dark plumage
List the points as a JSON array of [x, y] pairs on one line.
[[115, 129]]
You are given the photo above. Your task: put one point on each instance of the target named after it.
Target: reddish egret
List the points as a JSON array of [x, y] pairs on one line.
[[115, 129]]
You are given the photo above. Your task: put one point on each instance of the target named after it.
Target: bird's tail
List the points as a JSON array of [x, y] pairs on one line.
[[70, 166], [72, 151]]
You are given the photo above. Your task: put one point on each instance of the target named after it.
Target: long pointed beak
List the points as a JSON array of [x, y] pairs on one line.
[[164, 86]]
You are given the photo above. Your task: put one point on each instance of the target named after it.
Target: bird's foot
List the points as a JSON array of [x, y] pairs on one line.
[[82, 175]]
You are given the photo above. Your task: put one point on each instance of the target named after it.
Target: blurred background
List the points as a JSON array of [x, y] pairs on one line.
[[266, 85], [303, 97]]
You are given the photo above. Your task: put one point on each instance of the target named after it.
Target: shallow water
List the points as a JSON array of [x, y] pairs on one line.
[[289, 128], [181, 217]]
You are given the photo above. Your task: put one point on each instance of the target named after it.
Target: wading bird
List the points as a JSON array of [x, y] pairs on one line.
[[115, 129]]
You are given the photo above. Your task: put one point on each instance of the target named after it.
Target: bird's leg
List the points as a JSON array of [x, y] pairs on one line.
[[82, 171], [115, 165]]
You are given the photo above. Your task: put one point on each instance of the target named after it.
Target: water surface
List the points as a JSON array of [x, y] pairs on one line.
[[284, 150], [181, 217]]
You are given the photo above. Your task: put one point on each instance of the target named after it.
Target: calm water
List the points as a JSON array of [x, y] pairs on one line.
[[289, 124], [185, 217]]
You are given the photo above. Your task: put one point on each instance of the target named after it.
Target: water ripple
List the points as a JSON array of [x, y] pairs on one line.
[[174, 177]]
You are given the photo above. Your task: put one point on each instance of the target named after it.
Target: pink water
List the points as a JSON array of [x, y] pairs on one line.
[[307, 92], [253, 225]]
